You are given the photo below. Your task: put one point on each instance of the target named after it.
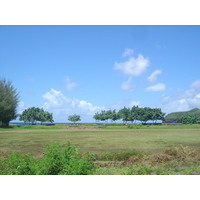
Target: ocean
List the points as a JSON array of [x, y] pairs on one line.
[[38, 123]]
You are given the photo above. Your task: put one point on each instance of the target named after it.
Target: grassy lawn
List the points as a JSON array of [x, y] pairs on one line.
[[98, 140], [109, 142]]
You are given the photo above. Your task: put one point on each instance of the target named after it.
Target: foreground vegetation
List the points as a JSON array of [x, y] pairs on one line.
[[55, 161], [114, 149]]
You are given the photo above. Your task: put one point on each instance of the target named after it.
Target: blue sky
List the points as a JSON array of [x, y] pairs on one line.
[[84, 69]]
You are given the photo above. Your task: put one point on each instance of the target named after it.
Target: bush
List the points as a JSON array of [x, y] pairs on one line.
[[57, 160], [65, 161], [17, 164]]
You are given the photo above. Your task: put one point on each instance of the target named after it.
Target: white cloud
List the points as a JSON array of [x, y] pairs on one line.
[[134, 66], [153, 76], [127, 86], [70, 85], [62, 107], [195, 85], [187, 100], [157, 87], [165, 99], [127, 52]]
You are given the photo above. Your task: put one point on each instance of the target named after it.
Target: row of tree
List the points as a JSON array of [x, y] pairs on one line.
[[9, 98], [36, 114], [131, 115], [188, 119]]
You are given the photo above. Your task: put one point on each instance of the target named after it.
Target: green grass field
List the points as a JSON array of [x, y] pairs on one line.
[[152, 139], [97, 139]]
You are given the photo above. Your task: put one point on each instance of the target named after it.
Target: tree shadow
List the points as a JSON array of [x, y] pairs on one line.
[[9, 127]]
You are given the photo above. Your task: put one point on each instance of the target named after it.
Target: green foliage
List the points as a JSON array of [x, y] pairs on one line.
[[106, 115], [36, 114], [172, 117], [74, 118], [65, 161], [131, 114], [57, 160], [188, 119], [17, 164], [9, 98]]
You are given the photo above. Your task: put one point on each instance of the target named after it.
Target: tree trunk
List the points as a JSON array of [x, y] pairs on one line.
[[5, 123]]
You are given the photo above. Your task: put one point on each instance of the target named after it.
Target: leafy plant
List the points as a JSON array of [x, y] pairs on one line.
[[65, 161], [57, 160], [17, 164]]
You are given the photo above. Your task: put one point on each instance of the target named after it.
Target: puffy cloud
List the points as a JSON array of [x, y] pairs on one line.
[[127, 52], [127, 86], [70, 85], [153, 76], [156, 87], [61, 106], [187, 100], [133, 67]]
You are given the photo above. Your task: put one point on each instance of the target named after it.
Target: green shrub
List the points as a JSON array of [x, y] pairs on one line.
[[17, 164], [57, 160], [65, 161]]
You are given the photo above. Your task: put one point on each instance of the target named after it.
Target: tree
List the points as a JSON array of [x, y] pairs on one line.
[[188, 119], [36, 114], [97, 117], [9, 99], [114, 116], [124, 114], [134, 113], [44, 116], [104, 115], [74, 118]]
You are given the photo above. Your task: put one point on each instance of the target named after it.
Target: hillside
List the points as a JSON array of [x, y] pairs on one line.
[[171, 118]]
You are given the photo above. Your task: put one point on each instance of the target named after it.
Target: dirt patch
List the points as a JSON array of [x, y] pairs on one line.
[[132, 160], [159, 158], [3, 154], [81, 128]]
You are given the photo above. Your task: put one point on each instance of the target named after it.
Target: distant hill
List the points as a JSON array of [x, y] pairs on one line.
[[172, 117]]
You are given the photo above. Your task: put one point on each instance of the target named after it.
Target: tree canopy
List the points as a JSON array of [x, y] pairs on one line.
[[131, 114], [36, 114], [74, 118], [188, 119], [9, 99]]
